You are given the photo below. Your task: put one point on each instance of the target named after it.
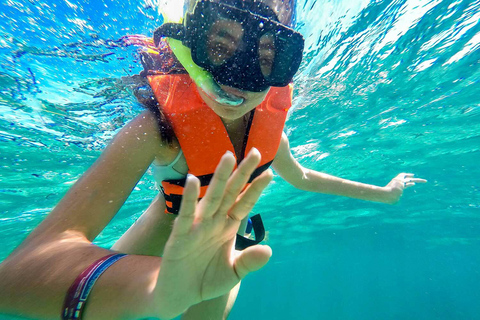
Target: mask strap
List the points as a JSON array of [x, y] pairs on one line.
[[170, 30]]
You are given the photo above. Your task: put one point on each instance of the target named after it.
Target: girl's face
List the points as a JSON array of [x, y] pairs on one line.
[[250, 101], [224, 39]]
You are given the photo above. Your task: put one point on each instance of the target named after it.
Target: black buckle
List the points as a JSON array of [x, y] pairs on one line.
[[242, 243]]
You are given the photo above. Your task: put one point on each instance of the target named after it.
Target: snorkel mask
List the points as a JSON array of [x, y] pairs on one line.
[[242, 46]]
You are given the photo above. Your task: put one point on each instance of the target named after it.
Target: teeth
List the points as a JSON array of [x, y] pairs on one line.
[[226, 98], [216, 93]]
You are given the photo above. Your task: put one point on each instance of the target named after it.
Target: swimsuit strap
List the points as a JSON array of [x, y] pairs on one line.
[[174, 162], [77, 295]]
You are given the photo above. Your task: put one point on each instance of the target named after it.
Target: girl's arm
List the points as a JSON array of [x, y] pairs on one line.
[[199, 261], [305, 179], [35, 277], [97, 196]]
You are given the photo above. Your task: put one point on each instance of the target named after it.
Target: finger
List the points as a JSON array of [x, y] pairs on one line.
[[249, 198], [401, 176], [186, 215], [412, 182], [409, 177], [251, 259], [418, 180], [239, 179], [216, 189]]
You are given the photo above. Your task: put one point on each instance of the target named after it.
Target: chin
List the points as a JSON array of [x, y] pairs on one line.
[[230, 114]]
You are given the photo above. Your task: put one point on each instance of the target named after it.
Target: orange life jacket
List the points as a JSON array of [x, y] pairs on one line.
[[202, 134]]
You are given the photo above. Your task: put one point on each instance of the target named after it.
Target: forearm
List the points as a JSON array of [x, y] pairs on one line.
[[148, 235], [324, 183], [302, 178]]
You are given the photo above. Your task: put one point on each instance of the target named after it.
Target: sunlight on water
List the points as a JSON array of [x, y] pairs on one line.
[[374, 76]]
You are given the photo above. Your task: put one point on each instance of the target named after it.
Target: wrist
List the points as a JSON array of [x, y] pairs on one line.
[[390, 195]]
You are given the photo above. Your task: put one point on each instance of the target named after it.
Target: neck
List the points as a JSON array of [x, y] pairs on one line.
[[229, 123], [235, 124]]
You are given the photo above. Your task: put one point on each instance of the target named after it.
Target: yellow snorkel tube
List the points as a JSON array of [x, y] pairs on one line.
[[202, 78]]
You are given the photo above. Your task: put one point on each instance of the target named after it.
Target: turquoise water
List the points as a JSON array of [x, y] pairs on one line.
[[385, 87]]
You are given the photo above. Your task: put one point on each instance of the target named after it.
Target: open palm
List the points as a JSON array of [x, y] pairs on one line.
[[199, 259]]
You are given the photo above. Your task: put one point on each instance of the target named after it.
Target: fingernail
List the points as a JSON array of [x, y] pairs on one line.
[[229, 152]]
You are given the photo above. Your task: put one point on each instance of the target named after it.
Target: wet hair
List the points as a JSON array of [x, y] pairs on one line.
[[144, 94], [284, 9]]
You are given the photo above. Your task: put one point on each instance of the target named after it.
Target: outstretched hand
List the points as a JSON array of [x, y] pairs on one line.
[[199, 258], [401, 182]]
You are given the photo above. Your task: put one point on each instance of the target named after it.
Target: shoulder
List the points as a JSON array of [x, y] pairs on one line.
[[146, 123], [165, 150], [284, 154], [284, 143], [146, 127]]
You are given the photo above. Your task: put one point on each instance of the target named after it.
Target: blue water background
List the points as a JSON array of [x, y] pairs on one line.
[[385, 87]]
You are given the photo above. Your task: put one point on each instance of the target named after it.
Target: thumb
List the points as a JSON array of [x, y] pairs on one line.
[[251, 259]]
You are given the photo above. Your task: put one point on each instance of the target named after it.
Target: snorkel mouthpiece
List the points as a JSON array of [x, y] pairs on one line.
[[203, 79]]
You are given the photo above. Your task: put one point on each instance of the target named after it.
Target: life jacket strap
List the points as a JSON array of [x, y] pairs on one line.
[[172, 190]]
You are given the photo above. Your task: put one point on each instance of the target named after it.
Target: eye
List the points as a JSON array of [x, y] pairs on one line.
[[266, 53], [224, 38]]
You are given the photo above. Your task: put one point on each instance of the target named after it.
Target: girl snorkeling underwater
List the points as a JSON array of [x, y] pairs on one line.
[[221, 80], [227, 90]]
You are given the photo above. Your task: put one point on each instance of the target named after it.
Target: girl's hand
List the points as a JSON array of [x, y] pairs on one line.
[[402, 181], [199, 259]]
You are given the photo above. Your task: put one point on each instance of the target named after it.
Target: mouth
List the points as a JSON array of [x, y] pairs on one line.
[[229, 100], [222, 95], [235, 92]]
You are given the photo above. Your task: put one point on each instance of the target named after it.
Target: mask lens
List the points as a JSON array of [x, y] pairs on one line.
[[266, 53], [242, 49], [223, 39]]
